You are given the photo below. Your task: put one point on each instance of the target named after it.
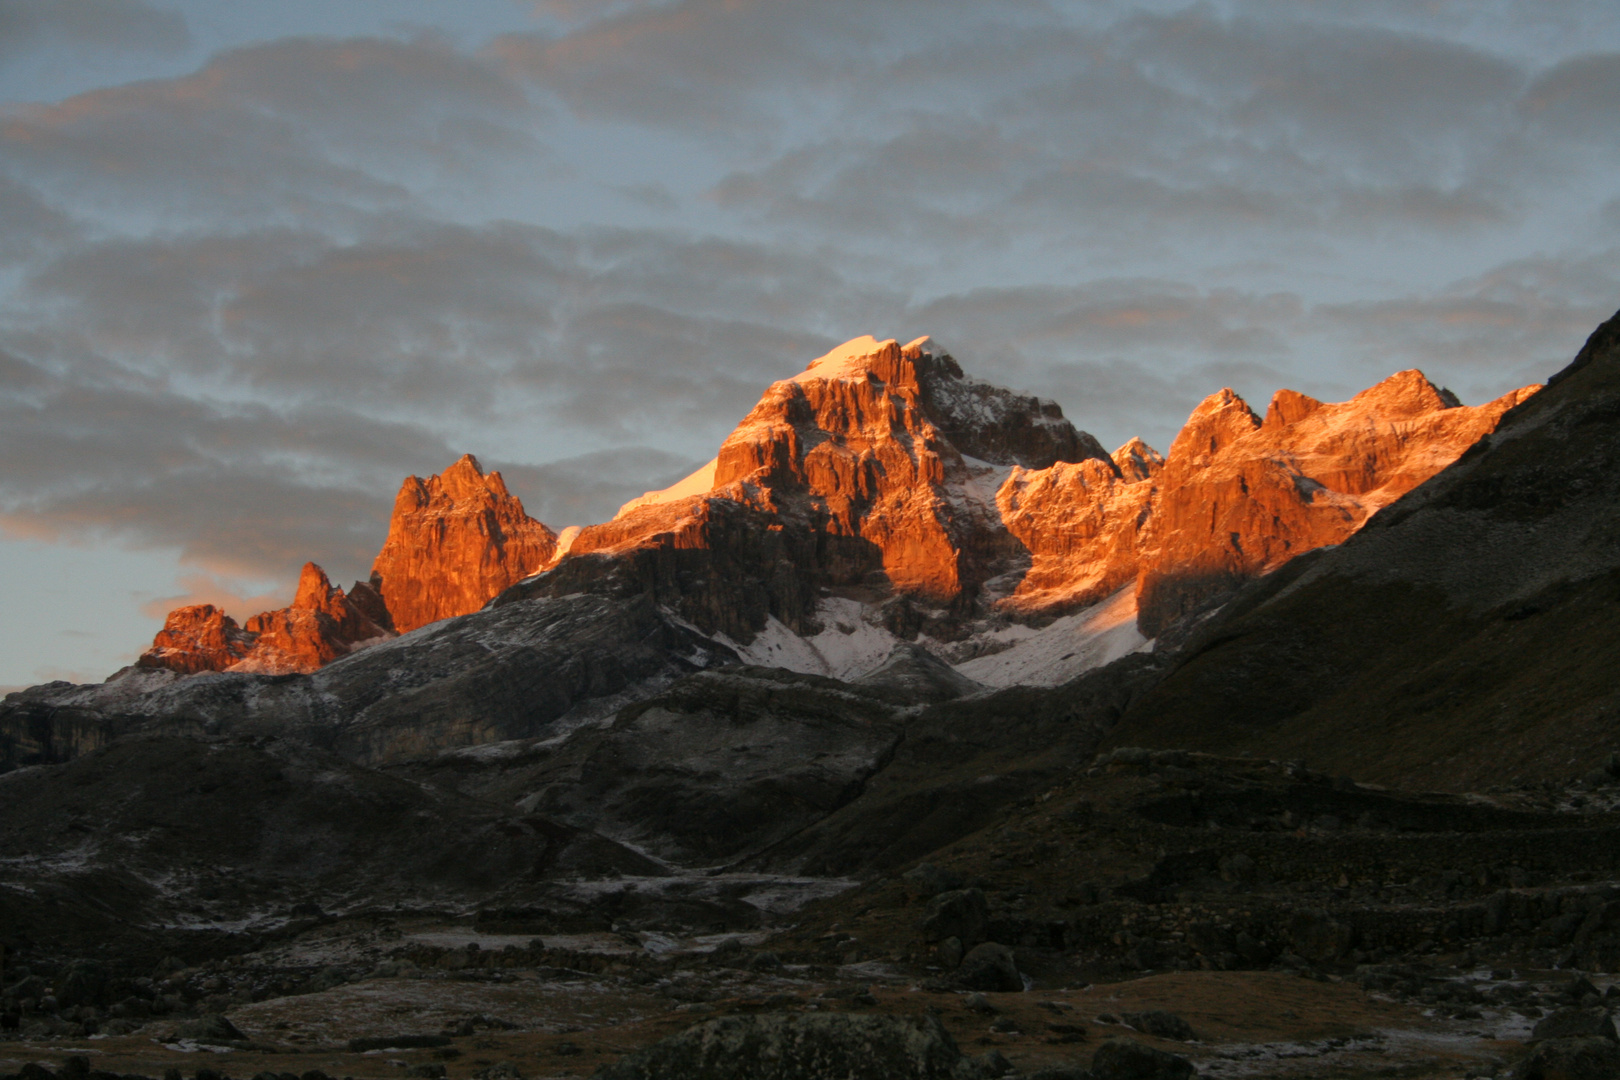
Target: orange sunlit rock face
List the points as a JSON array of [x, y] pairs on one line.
[[1235, 497], [864, 452], [320, 625], [199, 637], [455, 540], [883, 471]]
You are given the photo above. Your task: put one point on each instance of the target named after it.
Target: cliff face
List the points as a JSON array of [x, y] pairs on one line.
[[882, 471], [455, 540], [320, 625], [873, 469], [1236, 496], [882, 474]]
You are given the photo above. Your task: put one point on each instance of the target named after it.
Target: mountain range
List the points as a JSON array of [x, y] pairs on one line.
[[913, 669]]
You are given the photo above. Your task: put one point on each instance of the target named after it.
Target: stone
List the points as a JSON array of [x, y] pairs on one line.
[[960, 913], [990, 967], [785, 1046], [1165, 1025], [1575, 1023], [1570, 1059], [455, 541], [1124, 1059], [927, 880], [950, 953], [214, 1029], [993, 1063]]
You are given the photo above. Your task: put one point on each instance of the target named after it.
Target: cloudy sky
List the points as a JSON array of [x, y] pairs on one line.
[[259, 262]]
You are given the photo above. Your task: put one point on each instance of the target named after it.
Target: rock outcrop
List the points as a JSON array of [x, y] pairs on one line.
[[1454, 641], [455, 541], [1239, 497], [198, 637], [1235, 498], [320, 625], [874, 468]]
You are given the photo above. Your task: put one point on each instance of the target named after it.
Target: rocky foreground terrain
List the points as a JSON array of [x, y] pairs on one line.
[[784, 772]]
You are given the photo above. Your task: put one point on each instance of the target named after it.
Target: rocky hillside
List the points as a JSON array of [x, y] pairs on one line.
[[455, 541], [1465, 637], [879, 499]]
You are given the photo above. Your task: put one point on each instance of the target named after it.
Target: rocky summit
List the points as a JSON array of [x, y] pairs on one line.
[[914, 735]]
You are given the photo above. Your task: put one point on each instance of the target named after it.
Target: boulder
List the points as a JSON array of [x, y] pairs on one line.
[[1575, 1023], [1571, 1059], [1164, 1025], [214, 1029], [990, 967], [1122, 1059]]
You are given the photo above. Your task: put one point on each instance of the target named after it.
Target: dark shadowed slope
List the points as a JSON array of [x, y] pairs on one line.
[[1468, 636]]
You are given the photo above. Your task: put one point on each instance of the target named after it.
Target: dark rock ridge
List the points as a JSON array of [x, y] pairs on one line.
[[1459, 640], [161, 829], [785, 1046], [515, 672]]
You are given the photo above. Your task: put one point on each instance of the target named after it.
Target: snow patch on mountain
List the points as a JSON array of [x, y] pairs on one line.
[[1067, 647], [848, 361], [852, 642], [697, 483]]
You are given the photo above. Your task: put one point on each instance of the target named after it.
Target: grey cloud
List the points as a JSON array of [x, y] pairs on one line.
[[709, 64], [99, 24], [602, 332], [289, 129], [29, 226], [1237, 126], [1123, 357], [590, 488], [1577, 97], [1517, 323], [240, 490]]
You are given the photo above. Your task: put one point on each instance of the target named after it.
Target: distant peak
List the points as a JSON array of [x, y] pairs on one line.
[[314, 588], [923, 346], [1289, 407], [1136, 460], [1407, 392]]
